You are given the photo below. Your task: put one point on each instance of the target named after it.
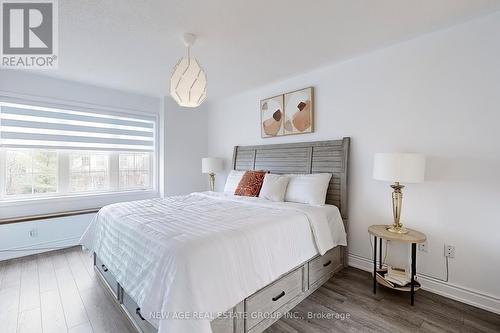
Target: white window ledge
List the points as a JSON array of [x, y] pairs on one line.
[[20, 219], [52, 205]]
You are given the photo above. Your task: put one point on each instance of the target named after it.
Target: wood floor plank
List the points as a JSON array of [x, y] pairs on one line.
[[431, 328], [81, 276], [30, 289], [11, 274], [46, 273], [30, 321], [9, 299], [282, 326], [311, 313], [8, 320], [53, 320], [481, 325], [9, 309], [74, 310], [88, 262], [83, 328], [9, 296], [479, 319], [104, 314]]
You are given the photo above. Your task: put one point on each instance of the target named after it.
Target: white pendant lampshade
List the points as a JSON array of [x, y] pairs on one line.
[[188, 84], [403, 168]]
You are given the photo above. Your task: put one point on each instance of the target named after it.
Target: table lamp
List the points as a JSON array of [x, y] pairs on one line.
[[211, 165], [398, 168]]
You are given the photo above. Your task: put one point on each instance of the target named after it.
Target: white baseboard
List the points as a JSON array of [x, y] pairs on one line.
[[439, 287], [38, 248]]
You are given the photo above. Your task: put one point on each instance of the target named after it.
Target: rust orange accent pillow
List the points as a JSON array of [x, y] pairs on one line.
[[250, 184]]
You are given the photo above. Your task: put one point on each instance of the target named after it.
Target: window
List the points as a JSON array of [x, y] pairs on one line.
[[30, 172], [88, 172], [134, 170], [53, 152]]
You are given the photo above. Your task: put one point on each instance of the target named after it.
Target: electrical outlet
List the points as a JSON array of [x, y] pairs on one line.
[[422, 247], [449, 251]]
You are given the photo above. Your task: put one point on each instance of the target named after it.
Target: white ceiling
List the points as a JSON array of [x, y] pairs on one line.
[[133, 45]]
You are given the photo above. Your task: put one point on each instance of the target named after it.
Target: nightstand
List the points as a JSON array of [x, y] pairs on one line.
[[413, 237]]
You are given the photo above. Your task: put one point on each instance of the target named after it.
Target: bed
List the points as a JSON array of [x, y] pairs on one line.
[[212, 262]]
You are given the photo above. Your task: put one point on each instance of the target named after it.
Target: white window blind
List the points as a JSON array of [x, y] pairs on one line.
[[24, 126]]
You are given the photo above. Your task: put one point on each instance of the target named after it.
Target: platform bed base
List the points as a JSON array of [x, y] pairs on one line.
[[260, 310]]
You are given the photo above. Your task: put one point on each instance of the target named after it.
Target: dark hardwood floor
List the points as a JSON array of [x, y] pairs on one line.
[[348, 299], [58, 292]]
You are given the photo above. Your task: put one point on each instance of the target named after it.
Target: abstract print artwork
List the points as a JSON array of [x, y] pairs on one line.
[[299, 112], [291, 113], [271, 113]]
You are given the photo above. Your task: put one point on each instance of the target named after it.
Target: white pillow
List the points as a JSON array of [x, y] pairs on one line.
[[232, 181], [274, 187], [309, 189]]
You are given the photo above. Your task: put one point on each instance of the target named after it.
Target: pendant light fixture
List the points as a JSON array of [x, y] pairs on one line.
[[188, 84]]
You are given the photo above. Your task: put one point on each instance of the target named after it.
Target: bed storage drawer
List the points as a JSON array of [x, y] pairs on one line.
[[266, 301], [322, 267], [134, 312], [108, 277]]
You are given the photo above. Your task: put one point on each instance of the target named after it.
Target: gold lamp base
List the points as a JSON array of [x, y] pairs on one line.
[[211, 180], [397, 229], [397, 200]]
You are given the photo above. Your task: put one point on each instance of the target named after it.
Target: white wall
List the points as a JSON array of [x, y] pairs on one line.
[[439, 95], [185, 145], [65, 231], [23, 82]]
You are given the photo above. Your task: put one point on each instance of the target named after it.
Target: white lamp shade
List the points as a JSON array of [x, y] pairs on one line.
[[403, 168], [211, 165], [188, 84]]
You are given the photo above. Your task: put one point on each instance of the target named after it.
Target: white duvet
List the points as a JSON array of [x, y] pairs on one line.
[[184, 259]]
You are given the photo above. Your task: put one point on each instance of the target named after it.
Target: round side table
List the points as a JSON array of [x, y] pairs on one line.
[[413, 237]]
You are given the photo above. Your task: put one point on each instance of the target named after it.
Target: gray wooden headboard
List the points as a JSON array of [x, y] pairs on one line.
[[306, 157]]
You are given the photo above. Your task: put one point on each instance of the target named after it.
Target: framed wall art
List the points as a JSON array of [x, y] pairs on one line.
[[299, 112], [271, 116], [287, 114]]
